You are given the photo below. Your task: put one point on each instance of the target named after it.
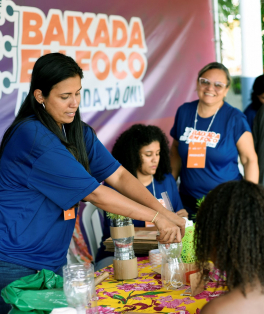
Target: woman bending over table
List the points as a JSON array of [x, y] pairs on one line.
[[229, 232], [49, 161], [209, 135], [143, 150]]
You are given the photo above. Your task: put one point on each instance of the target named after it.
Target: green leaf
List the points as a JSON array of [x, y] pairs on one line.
[[147, 293], [115, 216], [120, 298], [154, 292]]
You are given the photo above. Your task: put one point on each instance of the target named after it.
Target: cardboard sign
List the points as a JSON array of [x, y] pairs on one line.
[[196, 155]]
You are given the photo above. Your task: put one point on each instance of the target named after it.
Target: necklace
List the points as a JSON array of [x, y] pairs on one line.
[[195, 119], [64, 132]]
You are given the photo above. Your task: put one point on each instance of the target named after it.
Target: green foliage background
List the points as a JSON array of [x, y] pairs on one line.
[[226, 7]]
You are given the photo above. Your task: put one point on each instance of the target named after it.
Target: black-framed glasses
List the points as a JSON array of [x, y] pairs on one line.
[[218, 86]]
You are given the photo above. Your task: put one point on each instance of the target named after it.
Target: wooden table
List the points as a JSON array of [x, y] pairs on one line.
[[145, 294]]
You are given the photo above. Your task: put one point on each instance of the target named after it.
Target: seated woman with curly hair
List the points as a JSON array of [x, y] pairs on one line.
[[144, 151], [229, 231]]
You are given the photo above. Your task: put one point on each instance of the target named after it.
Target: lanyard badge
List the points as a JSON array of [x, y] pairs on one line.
[[69, 214], [196, 155], [197, 150]]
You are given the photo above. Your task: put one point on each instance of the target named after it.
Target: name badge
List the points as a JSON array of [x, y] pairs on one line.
[[69, 214], [196, 155]]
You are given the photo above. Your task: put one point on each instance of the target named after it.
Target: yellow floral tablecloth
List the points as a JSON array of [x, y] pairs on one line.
[[145, 294]]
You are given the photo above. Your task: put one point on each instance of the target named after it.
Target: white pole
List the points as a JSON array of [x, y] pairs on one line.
[[251, 41], [217, 32]]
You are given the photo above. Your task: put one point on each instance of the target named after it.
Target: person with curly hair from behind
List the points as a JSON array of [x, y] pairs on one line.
[[229, 231], [144, 151]]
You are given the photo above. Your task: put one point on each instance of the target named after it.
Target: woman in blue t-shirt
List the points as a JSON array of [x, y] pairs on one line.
[[209, 135], [257, 98], [49, 161], [144, 151]]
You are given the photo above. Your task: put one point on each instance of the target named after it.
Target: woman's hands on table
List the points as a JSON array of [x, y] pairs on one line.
[[169, 231]]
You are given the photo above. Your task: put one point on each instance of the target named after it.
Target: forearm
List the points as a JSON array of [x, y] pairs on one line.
[[251, 171], [175, 160], [132, 188], [114, 202], [248, 157]]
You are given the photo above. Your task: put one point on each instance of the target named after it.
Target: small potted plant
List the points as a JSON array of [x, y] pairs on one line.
[[122, 233]]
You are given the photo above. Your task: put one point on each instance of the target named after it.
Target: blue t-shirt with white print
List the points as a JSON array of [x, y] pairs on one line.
[[221, 163], [39, 179]]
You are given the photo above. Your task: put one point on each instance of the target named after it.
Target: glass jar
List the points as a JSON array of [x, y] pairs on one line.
[[172, 267], [79, 288]]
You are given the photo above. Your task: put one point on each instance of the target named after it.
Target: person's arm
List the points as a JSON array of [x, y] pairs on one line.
[[248, 157], [114, 202], [175, 159], [125, 183]]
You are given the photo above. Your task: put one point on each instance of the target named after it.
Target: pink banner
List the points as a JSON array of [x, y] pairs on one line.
[[140, 58]]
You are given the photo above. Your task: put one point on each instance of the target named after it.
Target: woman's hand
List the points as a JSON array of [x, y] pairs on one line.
[[182, 213], [176, 219], [168, 231]]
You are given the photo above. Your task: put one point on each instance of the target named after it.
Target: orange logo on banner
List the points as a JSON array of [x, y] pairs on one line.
[[196, 155], [69, 214]]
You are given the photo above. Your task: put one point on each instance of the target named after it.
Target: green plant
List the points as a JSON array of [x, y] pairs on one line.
[[115, 216], [198, 204], [236, 84]]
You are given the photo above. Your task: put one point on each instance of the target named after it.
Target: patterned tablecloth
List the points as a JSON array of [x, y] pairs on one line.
[[145, 294]]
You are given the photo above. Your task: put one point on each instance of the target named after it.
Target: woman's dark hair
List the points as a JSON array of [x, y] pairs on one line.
[[215, 65], [128, 144], [48, 71], [257, 89], [229, 231]]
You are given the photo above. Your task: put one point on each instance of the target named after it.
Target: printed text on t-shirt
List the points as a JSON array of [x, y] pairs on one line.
[[211, 138]]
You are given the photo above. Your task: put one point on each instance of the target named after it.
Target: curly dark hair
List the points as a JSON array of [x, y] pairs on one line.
[[229, 231], [257, 89], [128, 144]]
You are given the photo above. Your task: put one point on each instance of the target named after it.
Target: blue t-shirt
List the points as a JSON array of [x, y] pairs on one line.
[[221, 153], [169, 185], [39, 179], [250, 113]]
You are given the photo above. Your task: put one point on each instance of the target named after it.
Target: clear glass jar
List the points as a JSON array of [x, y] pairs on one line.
[[123, 246], [78, 286], [172, 267]]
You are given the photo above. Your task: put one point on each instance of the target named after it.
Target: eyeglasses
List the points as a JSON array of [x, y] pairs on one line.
[[218, 86]]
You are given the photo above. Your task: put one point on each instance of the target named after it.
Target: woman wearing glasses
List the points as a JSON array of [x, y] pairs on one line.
[[209, 134]]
